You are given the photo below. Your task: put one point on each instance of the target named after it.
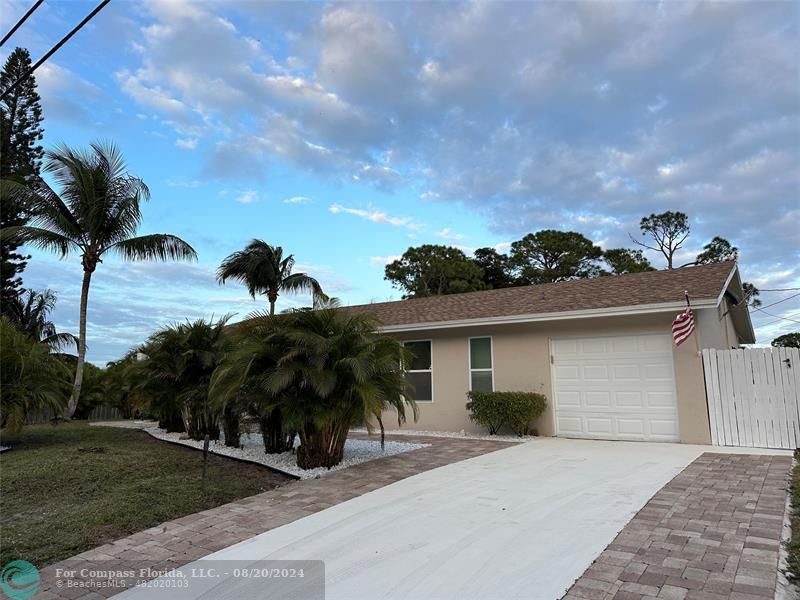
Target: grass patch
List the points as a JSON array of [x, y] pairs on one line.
[[793, 546], [72, 487]]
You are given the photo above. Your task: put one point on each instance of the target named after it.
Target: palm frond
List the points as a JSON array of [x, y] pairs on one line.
[[40, 238], [157, 246]]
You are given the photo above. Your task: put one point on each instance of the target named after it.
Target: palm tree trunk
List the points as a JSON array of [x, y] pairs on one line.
[[76, 388]]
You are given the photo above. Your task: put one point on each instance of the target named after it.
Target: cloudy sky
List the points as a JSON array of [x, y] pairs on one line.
[[348, 132]]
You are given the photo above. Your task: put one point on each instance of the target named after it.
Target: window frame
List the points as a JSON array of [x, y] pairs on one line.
[[430, 370], [470, 370]]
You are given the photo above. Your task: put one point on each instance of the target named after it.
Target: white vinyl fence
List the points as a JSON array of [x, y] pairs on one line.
[[753, 397]]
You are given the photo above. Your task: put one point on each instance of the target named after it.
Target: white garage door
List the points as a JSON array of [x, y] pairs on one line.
[[615, 388]]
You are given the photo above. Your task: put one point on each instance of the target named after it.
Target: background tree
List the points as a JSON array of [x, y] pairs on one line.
[[97, 214], [33, 378], [20, 158], [264, 270], [30, 312], [787, 340], [550, 255], [495, 266], [717, 250], [433, 270], [626, 260], [668, 231]]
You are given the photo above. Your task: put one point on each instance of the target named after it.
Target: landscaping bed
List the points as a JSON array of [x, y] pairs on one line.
[[68, 488], [252, 450]]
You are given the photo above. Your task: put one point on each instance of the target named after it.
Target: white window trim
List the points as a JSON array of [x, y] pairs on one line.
[[430, 341], [469, 359]]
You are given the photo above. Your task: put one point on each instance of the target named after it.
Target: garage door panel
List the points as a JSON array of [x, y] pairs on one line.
[[565, 347], [629, 400], [571, 426], [667, 428], [625, 344], [568, 399], [593, 346], [599, 426], [596, 400], [662, 400], [623, 372], [568, 373], [631, 427], [615, 388], [595, 373]]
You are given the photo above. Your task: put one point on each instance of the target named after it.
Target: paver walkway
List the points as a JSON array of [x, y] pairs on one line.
[[176, 543], [712, 533]]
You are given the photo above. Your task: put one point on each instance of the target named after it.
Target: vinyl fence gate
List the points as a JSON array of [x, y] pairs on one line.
[[753, 397]]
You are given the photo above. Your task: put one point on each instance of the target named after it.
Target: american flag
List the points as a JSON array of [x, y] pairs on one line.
[[683, 326]]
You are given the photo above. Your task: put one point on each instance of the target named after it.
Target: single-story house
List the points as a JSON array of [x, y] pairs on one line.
[[600, 350]]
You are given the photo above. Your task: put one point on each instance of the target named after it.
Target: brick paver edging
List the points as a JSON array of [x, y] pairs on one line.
[[176, 543], [712, 533]]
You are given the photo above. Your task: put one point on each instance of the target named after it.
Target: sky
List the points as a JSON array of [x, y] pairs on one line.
[[348, 132]]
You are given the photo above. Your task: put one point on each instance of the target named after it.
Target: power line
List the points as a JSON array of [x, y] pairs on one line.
[[779, 318], [778, 302], [20, 22], [55, 48], [780, 289]]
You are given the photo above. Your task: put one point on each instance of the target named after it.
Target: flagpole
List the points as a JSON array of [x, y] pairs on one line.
[[694, 333]]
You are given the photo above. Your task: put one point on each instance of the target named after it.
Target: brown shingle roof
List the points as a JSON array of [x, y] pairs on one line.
[[657, 287]]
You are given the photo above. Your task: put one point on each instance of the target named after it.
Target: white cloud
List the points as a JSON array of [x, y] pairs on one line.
[[247, 197], [376, 216], [384, 260], [297, 200], [449, 235], [186, 144]]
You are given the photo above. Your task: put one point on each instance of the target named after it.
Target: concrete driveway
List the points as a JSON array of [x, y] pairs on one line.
[[523, 522]]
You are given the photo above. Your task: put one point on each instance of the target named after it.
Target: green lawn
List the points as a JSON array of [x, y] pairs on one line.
[[69, 488]]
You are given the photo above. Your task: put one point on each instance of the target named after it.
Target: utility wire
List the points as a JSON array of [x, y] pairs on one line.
[[780, 318], [20, 22], [778, 302], [780, 289], [55, 48]]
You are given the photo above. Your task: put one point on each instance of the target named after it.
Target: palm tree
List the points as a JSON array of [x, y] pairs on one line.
[[97, 214], [30, 312], [33, 378], [332, 371], [264, 270], [255, 349], [177, 373]]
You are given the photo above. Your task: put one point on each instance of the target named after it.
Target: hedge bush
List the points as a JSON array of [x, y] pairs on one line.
[[515, 409]]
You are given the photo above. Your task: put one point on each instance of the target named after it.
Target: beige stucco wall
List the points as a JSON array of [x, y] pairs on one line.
[[522, 363]]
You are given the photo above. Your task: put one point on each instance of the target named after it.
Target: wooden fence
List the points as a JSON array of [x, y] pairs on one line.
[[99, 413], [753, 397]]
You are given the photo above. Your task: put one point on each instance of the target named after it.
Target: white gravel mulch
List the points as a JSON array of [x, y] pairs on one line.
[[462, 435], [252, 450], [4, 448]]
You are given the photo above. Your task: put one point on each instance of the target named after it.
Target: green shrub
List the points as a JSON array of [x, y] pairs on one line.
[[514, 409]]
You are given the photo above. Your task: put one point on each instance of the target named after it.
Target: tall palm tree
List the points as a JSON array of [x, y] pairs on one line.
[[264, 270], [97, 214], [30, 312]]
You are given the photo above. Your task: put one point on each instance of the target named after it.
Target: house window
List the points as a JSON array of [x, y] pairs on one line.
[[481, 377], [420, 370]]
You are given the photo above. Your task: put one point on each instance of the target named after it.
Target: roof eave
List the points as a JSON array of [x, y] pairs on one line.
[[641, 309]]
